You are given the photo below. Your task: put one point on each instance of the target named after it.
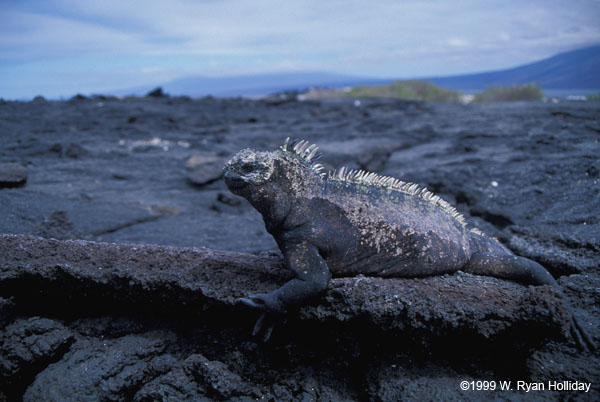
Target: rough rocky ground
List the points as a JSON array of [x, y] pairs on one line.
[[82, 320]]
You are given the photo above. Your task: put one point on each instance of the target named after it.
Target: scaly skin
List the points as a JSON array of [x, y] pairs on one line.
[[353, 223]]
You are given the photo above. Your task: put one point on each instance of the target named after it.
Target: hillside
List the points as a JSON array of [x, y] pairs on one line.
[[577, 69], [407, 90]]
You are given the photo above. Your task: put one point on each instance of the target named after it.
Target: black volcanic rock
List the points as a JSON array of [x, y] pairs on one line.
[[101, 369], [204, 169], [156, 93], [526, 173], [197, 378], [12, 175], [28, 346], [58, 226], [78, 97], [195, 287], [178, 278]]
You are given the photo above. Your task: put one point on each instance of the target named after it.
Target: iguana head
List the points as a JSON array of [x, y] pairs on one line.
[[271, 181], [248, 170]]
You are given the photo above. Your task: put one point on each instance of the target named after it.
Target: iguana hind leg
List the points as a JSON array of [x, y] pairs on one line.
[[527, 272]]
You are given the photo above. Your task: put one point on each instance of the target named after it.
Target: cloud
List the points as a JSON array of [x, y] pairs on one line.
[[31, 36], [383, 38], [457, 42], [269, 27]]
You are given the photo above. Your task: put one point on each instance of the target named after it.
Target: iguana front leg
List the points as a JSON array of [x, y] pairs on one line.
[[312, 277]]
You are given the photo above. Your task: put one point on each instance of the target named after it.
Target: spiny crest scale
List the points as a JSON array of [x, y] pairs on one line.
[[477, 231], [307, 152]]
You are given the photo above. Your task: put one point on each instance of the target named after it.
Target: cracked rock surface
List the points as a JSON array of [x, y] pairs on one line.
[[107, 291]]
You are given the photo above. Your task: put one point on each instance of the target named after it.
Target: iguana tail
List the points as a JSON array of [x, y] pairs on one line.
[[527, 272]]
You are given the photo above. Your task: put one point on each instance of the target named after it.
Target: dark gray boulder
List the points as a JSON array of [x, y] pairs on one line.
[[12, 175], [28, 346], [146, 276]]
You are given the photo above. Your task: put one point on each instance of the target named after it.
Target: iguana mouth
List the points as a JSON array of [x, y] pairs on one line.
[[233, 180]]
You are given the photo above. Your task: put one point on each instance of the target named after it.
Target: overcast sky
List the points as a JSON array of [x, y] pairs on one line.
[[62, 47]]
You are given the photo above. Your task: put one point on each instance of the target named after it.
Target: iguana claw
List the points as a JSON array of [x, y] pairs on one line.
[[265, 322], [251, 303], [271, 312]]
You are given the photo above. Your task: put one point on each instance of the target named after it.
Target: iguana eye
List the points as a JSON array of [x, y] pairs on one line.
[[248, 168]]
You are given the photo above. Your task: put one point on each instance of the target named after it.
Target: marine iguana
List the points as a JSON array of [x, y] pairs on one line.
[[352, 222]]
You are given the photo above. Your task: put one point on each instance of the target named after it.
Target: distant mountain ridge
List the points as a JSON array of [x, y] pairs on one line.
[[577, 69]]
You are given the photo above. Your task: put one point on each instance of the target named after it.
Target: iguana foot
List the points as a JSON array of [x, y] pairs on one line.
[[265, 324], [267, 302], [272, 310]]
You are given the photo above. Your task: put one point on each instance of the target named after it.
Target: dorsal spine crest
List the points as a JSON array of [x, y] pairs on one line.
[[308, 153], [391, 183]]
